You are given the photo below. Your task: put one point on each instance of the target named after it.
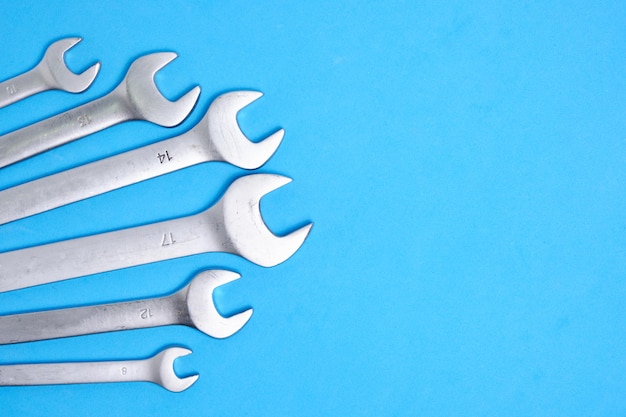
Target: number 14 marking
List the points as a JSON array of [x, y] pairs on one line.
[[164, 157]]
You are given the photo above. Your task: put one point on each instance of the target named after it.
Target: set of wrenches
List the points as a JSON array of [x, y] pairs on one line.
[[232, 225]]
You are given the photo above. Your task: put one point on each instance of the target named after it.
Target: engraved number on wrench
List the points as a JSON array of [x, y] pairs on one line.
[[164, 157], [84, 120], [168, 239]]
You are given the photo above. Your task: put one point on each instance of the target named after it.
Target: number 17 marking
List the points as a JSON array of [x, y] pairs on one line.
[[168, 239]]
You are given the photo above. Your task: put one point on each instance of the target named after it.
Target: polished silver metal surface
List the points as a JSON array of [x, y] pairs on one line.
[[158, 369], [50, 73], [135, 98], [217, 137], [191, 306], [233, 225]]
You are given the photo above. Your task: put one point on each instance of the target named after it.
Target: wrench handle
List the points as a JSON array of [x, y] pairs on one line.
[[111, 251], [21, 86], [54, 324], [101, 176], [63, 128], [74, 373]]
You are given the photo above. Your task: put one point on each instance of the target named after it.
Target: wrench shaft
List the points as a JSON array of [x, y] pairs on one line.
[[61, 129], [102, 176], [53, 324], [20, 87], [109, 251], [74, 373]]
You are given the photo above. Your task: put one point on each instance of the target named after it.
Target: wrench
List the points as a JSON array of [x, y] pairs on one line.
[[158, 369], [232, 225], [191, 306], [50, 73], [135, 98], [216, 137]]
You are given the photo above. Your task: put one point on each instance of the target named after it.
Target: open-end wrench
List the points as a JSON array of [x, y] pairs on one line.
[[50, 74], [135, 98], [158, 369], [216, 137], [191, 306], [232, 225]]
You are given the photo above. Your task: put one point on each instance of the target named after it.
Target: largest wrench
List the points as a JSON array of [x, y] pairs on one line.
[[233, 225], [135, 98]]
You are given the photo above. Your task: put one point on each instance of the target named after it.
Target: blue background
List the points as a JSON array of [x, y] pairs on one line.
[[464, 165]]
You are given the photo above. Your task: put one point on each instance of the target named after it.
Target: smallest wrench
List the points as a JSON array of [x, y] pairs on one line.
[[50, 73], [158, 369]]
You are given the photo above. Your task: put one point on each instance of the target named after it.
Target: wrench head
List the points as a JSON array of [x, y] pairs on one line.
[[144, 98], [165, 375], [244, 228], [58, 75], [228, 142], [201, 307]]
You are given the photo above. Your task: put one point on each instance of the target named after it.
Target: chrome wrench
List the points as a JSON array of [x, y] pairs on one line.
[[232, 225], [191, 306], [216, 137], [50, 73], [135, 98], [158, 369]]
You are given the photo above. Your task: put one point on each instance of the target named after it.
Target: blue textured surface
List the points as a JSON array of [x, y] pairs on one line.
[[464, 165]]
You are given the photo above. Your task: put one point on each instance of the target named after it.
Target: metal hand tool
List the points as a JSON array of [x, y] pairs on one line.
[[216, 137], [135, 98], [233, 225], [191, 306], [50, 74], [158, 369]]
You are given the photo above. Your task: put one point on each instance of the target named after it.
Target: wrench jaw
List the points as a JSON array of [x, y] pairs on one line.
[[201, 307], [226, 138], [56, 73], [165, 375], [144, 99], [246, 233]]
